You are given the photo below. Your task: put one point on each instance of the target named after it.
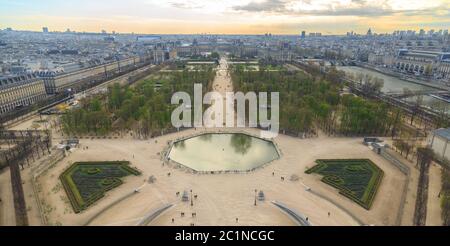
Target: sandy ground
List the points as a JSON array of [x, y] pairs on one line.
[[433, 207], [32, 121], [410, 203], [222, 84], [224, 197], [7, 216]]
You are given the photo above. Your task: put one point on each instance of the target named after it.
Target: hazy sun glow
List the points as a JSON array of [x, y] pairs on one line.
[[225, 17]]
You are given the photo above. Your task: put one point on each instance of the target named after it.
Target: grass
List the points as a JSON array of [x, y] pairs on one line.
[[357, 179], [87, 182]]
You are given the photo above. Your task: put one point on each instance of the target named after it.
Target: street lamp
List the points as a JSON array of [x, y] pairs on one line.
[[192, 201], [255, 196]]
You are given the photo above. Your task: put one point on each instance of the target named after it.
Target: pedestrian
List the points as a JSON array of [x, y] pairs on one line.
[[173, 220], [329, 214], [237, 220]]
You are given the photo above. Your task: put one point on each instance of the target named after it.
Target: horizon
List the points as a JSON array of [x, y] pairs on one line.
[[195, 34], [249, 17]]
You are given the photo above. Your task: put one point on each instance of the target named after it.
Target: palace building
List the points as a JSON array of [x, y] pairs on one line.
[[20, 90]]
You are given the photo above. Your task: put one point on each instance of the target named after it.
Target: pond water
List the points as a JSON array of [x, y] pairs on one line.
[[223, 152]]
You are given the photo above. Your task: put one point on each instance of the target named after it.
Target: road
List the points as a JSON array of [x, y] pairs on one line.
[[104, 86]]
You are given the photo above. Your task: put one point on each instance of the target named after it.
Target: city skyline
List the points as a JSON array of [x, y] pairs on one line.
[[230, 17]]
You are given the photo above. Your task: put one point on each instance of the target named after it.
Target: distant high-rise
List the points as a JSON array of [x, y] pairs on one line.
[[303, 34], [369, 32], [45, 29]]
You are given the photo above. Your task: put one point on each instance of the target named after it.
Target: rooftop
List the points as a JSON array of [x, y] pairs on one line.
[[443, 132]]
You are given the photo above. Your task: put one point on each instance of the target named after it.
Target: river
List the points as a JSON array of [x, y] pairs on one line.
[[393, 84]]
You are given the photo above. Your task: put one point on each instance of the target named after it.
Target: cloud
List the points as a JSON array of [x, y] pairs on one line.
[[186, 4], [362, 8], [265, 6]]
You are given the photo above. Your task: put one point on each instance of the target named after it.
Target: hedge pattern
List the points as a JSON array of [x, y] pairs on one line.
[[357, 179], [86, 182]]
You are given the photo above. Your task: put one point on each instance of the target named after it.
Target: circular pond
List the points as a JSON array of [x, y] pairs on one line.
[[223, 152]]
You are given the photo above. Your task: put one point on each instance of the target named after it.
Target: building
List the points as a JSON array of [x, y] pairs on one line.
[[443, 66], [422, 62], [45, 29], [19, 91], [184, 50], [303, 34], [147, 38], [57, 82], [282, 52], [438, 142], [376, 59], [244, 50]]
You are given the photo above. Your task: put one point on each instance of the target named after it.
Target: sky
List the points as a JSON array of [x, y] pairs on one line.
[[225, 16]]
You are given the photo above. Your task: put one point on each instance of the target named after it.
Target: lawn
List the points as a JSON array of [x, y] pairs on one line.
[[86, 182], [357, 179]]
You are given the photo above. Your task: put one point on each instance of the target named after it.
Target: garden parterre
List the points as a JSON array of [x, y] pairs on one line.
[[357, 179], [87, 182]]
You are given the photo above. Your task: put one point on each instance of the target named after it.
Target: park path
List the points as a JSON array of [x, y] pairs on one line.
[[7, 212], [222, 84]]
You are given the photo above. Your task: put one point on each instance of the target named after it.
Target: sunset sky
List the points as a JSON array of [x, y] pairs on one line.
[[225, 16]]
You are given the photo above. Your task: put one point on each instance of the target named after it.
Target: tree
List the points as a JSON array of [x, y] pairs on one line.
[[424, 156], [428, 70], [215, 55]]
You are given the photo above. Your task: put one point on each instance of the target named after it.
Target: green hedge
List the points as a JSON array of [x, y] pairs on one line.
[[84, 187], [357, 179]]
